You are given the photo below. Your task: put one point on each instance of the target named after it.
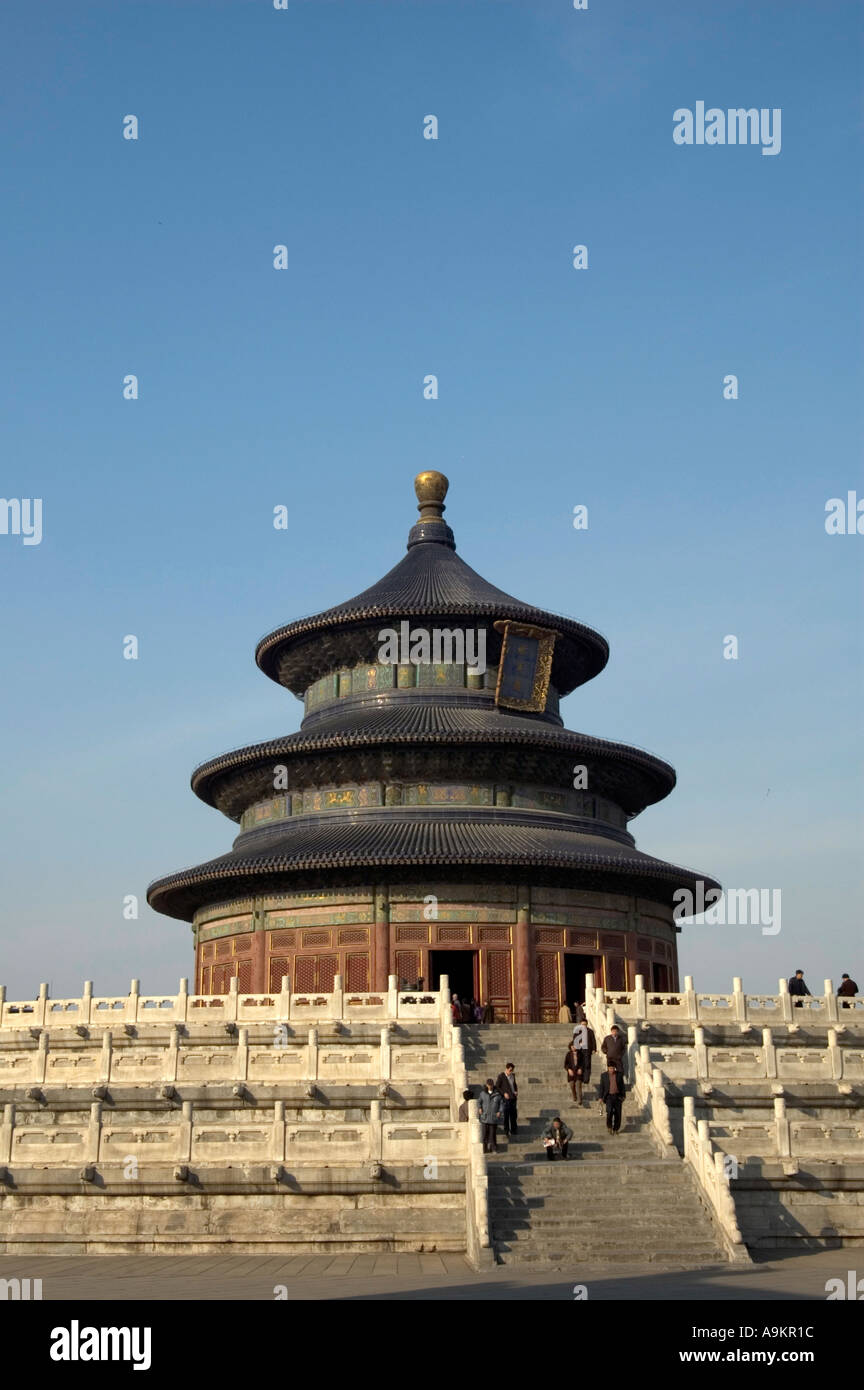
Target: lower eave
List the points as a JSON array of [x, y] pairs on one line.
[[347, 847]]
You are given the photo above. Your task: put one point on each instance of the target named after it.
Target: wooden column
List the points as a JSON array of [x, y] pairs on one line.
[[523, 958], [259, 956], [381, 939]]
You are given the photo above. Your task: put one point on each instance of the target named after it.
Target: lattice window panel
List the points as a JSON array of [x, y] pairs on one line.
[[582, 938], [208, 951], [244, 976], [643, 968], [221, 975], [353, 936], [460, 934], [615, 972], [408, 966], [549, 936], [203, 988], [498, 976], [327, 969], [304, 974], [278, 969], [279, 940], [612, 943], [494, 933], [223, 949], [412, 933], [242, 945], [547, 976], [317, 938], [356, 973], [643, 943]]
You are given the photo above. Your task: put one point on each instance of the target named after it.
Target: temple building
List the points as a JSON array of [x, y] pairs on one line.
[[433, 816]]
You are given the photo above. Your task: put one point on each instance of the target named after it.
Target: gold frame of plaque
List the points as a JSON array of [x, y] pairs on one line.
[[545, 637]]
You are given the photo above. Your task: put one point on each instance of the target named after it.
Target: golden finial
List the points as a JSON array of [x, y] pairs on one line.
[[431, 489]]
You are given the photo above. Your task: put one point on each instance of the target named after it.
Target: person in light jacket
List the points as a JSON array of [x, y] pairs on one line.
[[556, 1138], [491, 1115]]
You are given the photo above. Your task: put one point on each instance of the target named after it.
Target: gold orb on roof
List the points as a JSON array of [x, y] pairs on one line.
[[430, 487]]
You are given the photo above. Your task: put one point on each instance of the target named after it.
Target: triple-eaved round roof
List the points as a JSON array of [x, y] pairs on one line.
[[438, 735]]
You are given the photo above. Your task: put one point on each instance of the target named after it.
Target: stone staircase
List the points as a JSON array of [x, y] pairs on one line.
[[616, 1199]]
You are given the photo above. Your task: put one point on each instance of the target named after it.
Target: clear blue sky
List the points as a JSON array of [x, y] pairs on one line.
[[304, 387]]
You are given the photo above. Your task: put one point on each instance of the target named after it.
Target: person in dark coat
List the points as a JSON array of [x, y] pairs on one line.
[[491, 1115], [577, 1062], [847, 988], [463, 1108], [507, 1085], [612, 1093], [488, 1013], [614, 1049], [798, 988], [556, 1138]]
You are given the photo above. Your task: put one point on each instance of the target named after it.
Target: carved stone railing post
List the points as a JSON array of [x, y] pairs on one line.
[[86, 1001], [94, 1133], [690, 1000], [385, 1059], [182, 1001], [376, 1132], [2, 1002], [830, 1001], [785, 1001], [242, 1063], [42, 1004], [131, 1010], [6, 1131], [781, 1128], [769, 1053], [40, 1061], [640, 1002], [445, 1016], [283, 1007], [337, 998], [277, 1134], [184, 1133], [632, 1047], [659, 1106], [835, 1055], [233, 1000], [739, 1000], [700, 1053], [171, 1059], [312, 1055], [589, 995], [392, 997], [105, 1056]]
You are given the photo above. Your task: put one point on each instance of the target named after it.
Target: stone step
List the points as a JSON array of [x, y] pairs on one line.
[[544, 1213]]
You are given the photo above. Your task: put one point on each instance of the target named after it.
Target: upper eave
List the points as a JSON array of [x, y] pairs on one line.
[[431, 581]]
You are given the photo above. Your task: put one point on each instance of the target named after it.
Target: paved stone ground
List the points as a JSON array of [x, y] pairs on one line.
[[415, 1277]]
